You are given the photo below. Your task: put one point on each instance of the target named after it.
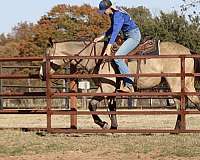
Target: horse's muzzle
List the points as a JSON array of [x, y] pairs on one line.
[[42, 73]]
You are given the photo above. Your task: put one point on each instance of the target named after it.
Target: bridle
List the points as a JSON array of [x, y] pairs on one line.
[[76, 62]]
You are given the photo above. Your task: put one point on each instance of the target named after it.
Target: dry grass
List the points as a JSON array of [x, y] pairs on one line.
[[16, 143], [22, 145], [140, 121]]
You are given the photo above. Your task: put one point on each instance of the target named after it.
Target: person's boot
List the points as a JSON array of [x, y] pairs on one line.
[[126, 88]]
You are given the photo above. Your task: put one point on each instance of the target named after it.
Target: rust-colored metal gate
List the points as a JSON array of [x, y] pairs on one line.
[[74, 112]]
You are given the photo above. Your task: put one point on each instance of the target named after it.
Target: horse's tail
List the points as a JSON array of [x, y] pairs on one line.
[[196, 64]]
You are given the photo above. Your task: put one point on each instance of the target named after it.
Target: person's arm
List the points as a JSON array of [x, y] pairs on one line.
[[118, 22]]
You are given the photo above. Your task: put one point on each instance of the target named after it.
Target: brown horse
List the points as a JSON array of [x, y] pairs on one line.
[[148, 66]]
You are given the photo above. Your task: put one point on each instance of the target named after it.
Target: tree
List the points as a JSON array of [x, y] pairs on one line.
[[190, 7], [65, 22], [144, 19], [173, 27], [24, 37], [75, 22], [3, 39]]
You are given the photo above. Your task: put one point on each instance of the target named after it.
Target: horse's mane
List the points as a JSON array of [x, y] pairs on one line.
[[194, 52], [53, 41]]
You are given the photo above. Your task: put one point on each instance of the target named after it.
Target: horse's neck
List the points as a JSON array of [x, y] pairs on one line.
[[96, 50], [91, 50], [80, 48]]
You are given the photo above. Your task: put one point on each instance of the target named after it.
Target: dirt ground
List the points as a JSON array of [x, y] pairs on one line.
[[131, 121], [96, 156], [17, 145]]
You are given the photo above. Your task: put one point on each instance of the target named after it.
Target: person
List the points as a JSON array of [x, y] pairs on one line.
[[120, 22]]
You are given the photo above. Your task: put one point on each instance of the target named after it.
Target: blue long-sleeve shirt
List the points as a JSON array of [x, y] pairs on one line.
[[120, 22]]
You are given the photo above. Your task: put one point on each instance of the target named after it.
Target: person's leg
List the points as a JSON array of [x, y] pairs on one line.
[[129, 45]]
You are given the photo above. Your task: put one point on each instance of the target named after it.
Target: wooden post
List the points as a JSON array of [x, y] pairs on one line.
[[73, 102]]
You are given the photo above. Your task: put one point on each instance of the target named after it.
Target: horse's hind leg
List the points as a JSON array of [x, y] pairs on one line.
[[113, 117], [189, 87], [174, 84], [93, 107]]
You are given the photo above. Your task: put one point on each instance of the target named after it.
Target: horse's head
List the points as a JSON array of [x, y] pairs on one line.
[[70, 48], [53, 68]]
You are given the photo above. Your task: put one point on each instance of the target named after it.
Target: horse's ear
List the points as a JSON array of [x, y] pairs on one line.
[[50, 44]]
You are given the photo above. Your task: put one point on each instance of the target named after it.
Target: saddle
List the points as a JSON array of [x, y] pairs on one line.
[[148, 46]]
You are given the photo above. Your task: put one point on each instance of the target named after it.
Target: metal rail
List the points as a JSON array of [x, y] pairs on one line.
[[73, 112]]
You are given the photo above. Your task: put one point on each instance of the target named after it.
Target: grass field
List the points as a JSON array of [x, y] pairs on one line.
[[17, 145]]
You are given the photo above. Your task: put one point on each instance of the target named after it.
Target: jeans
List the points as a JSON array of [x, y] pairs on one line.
[[132, 41]]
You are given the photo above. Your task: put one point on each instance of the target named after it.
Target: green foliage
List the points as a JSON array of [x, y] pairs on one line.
[[144, 19]]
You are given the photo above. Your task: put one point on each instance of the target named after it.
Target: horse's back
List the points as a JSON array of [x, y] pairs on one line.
[[173, 48]]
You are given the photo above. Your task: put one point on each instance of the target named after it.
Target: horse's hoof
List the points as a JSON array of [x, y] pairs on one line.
[[105, 126], [114, 128]]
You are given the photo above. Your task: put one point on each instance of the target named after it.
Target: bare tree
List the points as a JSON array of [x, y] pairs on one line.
[[190, 7]]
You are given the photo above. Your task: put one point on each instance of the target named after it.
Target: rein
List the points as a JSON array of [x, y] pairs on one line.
[[93, 50], [79, 53]]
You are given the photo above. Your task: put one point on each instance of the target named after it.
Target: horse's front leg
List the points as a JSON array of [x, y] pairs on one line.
[[93, 107]]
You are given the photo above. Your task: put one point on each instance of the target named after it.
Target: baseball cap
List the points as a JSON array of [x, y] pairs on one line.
[[103, 5]]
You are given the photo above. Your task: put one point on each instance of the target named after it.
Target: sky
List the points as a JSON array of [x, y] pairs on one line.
[[13, 12]]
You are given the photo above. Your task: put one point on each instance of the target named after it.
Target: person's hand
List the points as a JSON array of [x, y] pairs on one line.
[[99, 39]]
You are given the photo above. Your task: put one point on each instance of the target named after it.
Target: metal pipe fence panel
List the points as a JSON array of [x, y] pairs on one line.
[[74, 112]]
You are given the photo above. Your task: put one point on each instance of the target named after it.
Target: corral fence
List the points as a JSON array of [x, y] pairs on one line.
[[30, 85], [49, 95]]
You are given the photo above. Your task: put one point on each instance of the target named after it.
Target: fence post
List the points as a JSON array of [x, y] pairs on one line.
[[1, 90], [66, 89], [48, 93], [73, 99], [183, 121]]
